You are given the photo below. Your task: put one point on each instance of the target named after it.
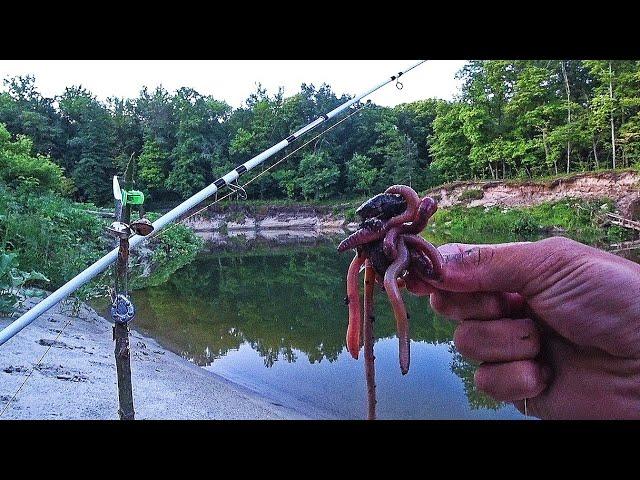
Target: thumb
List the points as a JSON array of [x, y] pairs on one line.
[[522, 267]]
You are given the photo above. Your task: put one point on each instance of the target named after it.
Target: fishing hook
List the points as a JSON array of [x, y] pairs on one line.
[[236, 187]]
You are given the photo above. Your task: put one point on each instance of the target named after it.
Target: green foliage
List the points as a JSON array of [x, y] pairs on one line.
[[13, 283], [150, 165], [25, 112], [19, 168], [511, 119], [519, 119], [317, 176], [50, 234], [53, 235], [91, 147], [169, 251], [200, 139], [581, 220], [450, 147], [351, 216], [471, 194], [360, 174], [525, 226]]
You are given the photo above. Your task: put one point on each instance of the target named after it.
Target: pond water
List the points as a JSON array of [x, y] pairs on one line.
[[273, 319]]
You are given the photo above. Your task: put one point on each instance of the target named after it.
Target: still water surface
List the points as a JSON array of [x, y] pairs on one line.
[[274, 320]]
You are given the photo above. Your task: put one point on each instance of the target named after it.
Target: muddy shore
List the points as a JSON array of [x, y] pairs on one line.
[[77, 377]]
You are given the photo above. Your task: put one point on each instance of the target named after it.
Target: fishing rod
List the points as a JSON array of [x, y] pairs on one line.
[[101, 265]]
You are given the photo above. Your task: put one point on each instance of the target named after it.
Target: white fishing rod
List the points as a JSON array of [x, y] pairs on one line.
[[101, 265]]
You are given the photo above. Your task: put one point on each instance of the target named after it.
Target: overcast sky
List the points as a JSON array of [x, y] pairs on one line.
[[233, 80]]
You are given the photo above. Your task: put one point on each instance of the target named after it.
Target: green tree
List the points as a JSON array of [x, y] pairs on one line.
[[150, 165], [361, 175], [615, 102], [128, 136], [200, 141], [91, 144], [535, 109], [396, 152], [317, 176], [25, 111], [20, 168], [450, 147], [158, 124]]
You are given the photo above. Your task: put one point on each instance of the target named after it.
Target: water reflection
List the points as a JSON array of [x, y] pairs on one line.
[[286, 304], [280, 302]]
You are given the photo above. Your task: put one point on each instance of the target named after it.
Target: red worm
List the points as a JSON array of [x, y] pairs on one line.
[[360, 237], [425, 211], [364, 235], [353, 300], [390, 242], [432, 253], [420, 266], [412, 199], [399, 310]]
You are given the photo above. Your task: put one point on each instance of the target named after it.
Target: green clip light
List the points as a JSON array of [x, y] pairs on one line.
[[132, 197]]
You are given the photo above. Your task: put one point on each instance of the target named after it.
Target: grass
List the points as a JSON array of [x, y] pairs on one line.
[[471, 194], [50, 234], [579, 219]]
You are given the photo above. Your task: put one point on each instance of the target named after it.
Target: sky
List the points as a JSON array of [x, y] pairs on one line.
[[234, 80]]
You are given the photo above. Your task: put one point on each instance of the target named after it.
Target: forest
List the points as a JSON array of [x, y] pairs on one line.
[[514, 120], [510, 119]]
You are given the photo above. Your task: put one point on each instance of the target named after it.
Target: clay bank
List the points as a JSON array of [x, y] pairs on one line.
[[623, 187], [245, 220], [308, 220]]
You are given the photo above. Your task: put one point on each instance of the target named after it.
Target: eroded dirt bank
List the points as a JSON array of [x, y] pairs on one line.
[[621, 187], [239, 217]]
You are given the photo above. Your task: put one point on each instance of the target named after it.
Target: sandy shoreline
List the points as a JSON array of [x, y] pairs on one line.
[[77, 378]]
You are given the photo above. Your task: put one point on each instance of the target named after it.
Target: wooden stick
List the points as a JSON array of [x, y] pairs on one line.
[[368, 334]]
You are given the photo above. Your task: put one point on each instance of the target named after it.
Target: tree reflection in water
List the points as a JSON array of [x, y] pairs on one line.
[[283, 302]]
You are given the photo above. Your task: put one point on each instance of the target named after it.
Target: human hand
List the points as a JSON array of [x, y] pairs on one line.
[[554, 321]]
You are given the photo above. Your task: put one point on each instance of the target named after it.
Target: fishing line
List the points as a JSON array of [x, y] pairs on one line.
[[6, 407], [236, 188], [101, 265], [183, 208]]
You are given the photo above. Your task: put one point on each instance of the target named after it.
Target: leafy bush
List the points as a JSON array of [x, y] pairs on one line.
[[169, 251], [60, 238], [50, 234], [20, 169], [13, 282]]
